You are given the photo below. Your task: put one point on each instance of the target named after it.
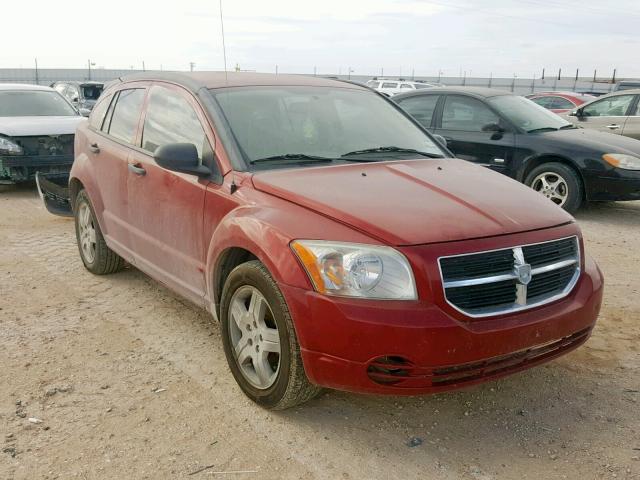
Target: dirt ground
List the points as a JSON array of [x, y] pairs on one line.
[[117, 378]]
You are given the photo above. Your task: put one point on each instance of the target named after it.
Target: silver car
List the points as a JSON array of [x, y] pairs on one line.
[[618, 112]]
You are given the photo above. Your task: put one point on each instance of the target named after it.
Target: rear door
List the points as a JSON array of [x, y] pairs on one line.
[[462, 122], [166, 208], [110, 137], [607, 114], [632, 123]]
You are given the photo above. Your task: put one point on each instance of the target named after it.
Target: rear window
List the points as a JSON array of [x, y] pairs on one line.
[[36, 103], [91, 92], [389, 85]]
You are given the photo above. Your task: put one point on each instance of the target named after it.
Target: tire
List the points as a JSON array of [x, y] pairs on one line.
[[280, 383], [568, 193], [98, 258]]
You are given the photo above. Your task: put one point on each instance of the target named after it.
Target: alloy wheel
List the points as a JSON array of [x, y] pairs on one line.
[[87, 233], [552, 186], [254, 337]]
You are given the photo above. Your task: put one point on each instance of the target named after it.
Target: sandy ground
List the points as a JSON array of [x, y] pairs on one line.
[[124, 380]]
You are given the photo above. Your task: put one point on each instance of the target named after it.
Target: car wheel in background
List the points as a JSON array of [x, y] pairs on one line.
[[97, 257], [559, 183], [259, 340]]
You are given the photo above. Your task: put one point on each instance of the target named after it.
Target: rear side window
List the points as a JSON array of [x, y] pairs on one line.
[[406, 85], [561, 103], [125, 116], [466, 114], [389, 85], [545, 102], [372, 84], [170, 118], [421, 108], [97, 114]]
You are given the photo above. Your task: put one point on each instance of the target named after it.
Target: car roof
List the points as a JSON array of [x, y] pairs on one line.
[[211, 80], [479, 92], [24, 86], [77, 82], [560, 94]]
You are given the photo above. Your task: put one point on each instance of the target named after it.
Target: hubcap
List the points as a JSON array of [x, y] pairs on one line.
[[87, 233], [552, 186], [254, 337]]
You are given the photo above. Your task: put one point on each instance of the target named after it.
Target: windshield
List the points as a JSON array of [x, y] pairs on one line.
[[319, 122], [525, 114], [36, 103], [91, 92]]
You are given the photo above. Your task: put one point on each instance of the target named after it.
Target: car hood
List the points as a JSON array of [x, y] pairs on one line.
[[29, 126], [602, 142], [417, 201]]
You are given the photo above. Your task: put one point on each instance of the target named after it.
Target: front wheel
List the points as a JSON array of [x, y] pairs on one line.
[[259, 340], [559, 183]]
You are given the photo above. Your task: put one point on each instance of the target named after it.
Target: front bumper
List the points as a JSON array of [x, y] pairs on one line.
[[408, 348], [615, 184], [20, 168]]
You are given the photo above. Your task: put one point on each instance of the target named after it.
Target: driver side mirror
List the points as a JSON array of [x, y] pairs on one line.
[[180, 157], [576, 113], [75, 100], [492, 127], [440, 139]]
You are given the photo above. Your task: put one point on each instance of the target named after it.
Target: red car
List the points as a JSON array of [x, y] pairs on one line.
[[560, 102], [332, 237]]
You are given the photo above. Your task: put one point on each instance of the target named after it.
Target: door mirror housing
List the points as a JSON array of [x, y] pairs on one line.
[[576, 113], [493, 127], [180, 157], [440, 139]]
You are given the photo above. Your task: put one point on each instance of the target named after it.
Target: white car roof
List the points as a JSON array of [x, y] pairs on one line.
[[24, 86]]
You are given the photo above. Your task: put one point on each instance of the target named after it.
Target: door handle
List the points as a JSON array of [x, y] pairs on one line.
[[136, 168], [613, 127], [94, 148]]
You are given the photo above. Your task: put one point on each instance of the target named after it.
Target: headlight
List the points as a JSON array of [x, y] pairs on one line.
[[622, 160], [8, 147], [356, 270]]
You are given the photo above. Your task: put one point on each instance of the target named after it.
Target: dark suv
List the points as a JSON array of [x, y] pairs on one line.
[[514, 136]]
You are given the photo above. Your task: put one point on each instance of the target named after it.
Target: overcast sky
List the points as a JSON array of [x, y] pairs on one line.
[[503, 37]]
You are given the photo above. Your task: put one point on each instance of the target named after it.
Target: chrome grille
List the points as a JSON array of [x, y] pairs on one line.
[[501, 281]]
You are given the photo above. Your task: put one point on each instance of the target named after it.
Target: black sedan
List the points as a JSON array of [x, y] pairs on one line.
[[514, 136]]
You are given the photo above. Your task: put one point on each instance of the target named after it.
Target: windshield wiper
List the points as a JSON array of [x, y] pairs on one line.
[[543, 129], [391, 149], [567, 126], [292, 158]]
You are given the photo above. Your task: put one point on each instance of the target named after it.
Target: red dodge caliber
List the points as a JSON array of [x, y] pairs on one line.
[[335, 240]]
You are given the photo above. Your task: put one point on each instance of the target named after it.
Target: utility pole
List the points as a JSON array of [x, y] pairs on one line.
[[613, 79], [143, 69], [382, 71], [575, 83], [192, 65], [37, 82], [413, 74], [594, 75], [89, 69], [276, 69], [490, 79], [559, 73], [543, 74]]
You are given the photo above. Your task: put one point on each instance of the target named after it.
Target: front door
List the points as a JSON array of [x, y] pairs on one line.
[[470, 128], [606, 115], [166, 207]]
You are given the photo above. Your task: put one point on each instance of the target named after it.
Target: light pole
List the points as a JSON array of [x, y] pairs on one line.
[[89, 65]]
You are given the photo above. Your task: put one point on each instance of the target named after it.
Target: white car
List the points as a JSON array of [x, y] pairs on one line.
[[393, 87], [37, 128]]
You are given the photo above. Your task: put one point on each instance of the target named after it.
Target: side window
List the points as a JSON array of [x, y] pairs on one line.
[[125, 115], [421, 108], [372, 84], [171, 119], [97, 114], [637, 114], [406, 86], [562, 103], [389, 85], [545, 102], [466, 114], [72, 93], [616, 106]]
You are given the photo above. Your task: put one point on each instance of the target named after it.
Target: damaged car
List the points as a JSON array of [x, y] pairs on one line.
[[334, 239], [37, 127]]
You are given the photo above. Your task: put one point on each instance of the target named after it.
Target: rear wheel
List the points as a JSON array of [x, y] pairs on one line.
[[97, 257], [559, 183], [259, 340]]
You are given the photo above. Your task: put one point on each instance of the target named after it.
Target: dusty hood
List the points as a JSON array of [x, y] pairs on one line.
[[416, 202], [28, 126]]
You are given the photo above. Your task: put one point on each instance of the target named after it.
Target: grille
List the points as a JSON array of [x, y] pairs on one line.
[[46, 145], [510, 279]]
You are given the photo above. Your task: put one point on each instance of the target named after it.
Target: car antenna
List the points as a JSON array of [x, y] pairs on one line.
[[224, 49]]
